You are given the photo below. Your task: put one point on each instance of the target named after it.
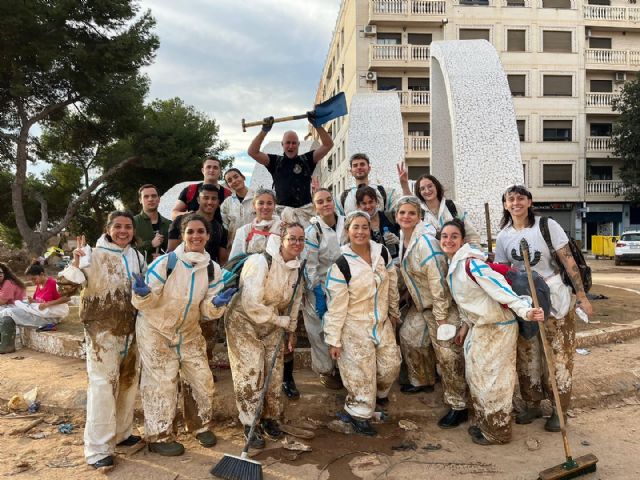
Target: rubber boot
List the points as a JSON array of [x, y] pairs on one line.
[[7, 335]]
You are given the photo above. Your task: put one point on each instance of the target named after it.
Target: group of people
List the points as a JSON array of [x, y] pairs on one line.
[[380, 278]]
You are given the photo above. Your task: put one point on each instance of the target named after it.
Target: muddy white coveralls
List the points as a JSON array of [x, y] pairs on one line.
[[321, 251], [424, 269], [113, 365], [236, 213], [358, 321], [171, 342], [443, 215], [490, 345], [253, 237], [257, 316]]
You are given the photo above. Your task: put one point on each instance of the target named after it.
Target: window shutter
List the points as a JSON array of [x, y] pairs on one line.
[[557, 85], [556, 41]]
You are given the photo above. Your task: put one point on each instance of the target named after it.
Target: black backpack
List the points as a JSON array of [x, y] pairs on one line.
[[451, 207], [583, 268], [380, 188], [233, 268], [343, 264]]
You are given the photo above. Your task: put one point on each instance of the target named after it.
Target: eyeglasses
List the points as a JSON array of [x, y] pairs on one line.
[[295, 239]]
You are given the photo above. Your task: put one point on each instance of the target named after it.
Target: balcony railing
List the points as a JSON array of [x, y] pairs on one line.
[[604, 187], [408, 7], [414, 99], [399, 53], [605, 56], [611, 13], [598, 144], [417, 144], [600, 99]]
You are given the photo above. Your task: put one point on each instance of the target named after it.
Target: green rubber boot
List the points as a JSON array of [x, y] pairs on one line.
[[7, 335]]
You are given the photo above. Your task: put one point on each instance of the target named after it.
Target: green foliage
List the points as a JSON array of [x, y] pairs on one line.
[[626, 138]]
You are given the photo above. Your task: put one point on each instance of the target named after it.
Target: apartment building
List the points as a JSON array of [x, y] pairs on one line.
[[565, 62]]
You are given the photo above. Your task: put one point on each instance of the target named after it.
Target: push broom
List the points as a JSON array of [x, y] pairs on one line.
[[233, 467], [572, 467]]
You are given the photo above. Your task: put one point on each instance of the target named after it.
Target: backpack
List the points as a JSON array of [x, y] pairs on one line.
[[343, 264], [451, 207], [583, 268], [173, 260], [380, 189], [518, 281], [192, 191], [233, 268]]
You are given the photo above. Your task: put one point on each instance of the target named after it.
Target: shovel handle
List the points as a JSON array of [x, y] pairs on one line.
[[548, 353], [275, 120], [487, 219]]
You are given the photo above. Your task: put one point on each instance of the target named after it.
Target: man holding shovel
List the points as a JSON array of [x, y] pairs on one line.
[[292, 172]]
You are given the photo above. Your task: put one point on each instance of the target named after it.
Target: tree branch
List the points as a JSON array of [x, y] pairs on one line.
[[50, 109]]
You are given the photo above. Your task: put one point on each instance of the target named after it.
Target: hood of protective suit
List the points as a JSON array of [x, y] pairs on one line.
[[196, 259]]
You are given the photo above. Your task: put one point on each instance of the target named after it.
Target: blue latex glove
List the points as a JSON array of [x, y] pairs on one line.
[[224, 298], [321, 301], [139, 287]]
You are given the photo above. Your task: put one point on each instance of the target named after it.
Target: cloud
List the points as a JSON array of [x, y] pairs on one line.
[[234, 60]]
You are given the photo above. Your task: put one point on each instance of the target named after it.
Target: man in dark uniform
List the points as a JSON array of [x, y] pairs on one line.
[[291, 172]]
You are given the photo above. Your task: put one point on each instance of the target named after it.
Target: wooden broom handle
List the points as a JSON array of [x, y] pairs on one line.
[[275, 120]]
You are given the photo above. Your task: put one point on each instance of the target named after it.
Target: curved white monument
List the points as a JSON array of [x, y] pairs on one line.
[[475, 149]]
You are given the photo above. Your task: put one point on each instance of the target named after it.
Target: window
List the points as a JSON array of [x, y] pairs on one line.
[[556, 130], [389, 83], [522, 125], [517, 85], [474, 2], [605, 86], [474, 34], [419, 39], [557, 86], [600, 129], [556, 42], [415, 172], [602, 2], [418, 84], [557, 175], [600, 42], [516, 40], [515, 3], [389, 39], [600, 172], [419, 129], [556, 3]]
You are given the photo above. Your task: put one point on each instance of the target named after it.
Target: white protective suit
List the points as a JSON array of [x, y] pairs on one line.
[[248, 238], [424, 269], [236, 213], [358, 322], [113, 365], [321, 251], [443, 215], [350, 203], [29, 315], [171, 342], [266, 306], [490, 345]]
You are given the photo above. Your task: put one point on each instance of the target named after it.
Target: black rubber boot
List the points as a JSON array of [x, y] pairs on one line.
[[288, 383], [528, 416], [167, 449], [130, 441], [207, 439], [271, 429], [257, 441], [453, 418], [7, 335], [104, 463]]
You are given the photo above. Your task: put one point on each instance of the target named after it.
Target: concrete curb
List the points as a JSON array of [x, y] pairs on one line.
[[611, 334]]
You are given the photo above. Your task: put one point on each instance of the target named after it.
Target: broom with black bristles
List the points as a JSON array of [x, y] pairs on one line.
[[572, 467], [233, 467]]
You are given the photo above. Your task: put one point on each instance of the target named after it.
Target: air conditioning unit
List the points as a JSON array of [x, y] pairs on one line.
[[371, 76], [369, 30], [621, 77]]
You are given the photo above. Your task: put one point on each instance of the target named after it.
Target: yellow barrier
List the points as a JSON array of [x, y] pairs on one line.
[[603, 245]]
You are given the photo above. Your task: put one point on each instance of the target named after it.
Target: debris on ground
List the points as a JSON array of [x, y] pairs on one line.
[[17, 403], [65, 428], [294, 445], [370, 465], [407, 425], [26, 428], [585, 443], [297, 432], [583, 351], [340, 427], [405, 446], [532, 443], [432, 447]]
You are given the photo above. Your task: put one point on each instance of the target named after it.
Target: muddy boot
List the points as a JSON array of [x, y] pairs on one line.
[[104, 464], [207, 439], [271, 429], [288, 383], [256, 441], [362, 426], [453, 418], [553, 422], [130, 441], [333, 381], [528, 416], [412, 389], [167, 449], [7, 335]]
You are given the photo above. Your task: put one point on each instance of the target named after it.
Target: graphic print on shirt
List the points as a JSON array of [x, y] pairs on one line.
[[534, 259]]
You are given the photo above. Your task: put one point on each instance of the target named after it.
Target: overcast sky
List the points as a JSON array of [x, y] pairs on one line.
[[242, 59]]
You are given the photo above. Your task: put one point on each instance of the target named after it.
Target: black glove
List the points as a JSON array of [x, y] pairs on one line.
[[311, 116], [267, 124]]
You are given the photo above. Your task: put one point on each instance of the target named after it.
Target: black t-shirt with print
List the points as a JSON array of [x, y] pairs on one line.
[[193, 205], [217, 239], [292, 178]]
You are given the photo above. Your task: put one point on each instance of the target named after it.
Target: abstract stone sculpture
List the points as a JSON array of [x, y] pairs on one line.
[[475, 148]]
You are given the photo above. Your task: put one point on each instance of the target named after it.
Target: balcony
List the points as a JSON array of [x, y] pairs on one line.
[[598, 144], [607, 58], [621, 16], [403, 11], [417, 146], [600, 102], [411, 101], [604, 188], [398, 56]]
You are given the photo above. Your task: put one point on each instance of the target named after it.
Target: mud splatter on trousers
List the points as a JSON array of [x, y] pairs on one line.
[[321, 361], [367, 369], [490, 365], [113, 371], [166, 361], [417, 351], [250, 348], [532, 369]]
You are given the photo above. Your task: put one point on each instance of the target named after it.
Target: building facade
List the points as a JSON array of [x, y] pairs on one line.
[[565, 62]]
